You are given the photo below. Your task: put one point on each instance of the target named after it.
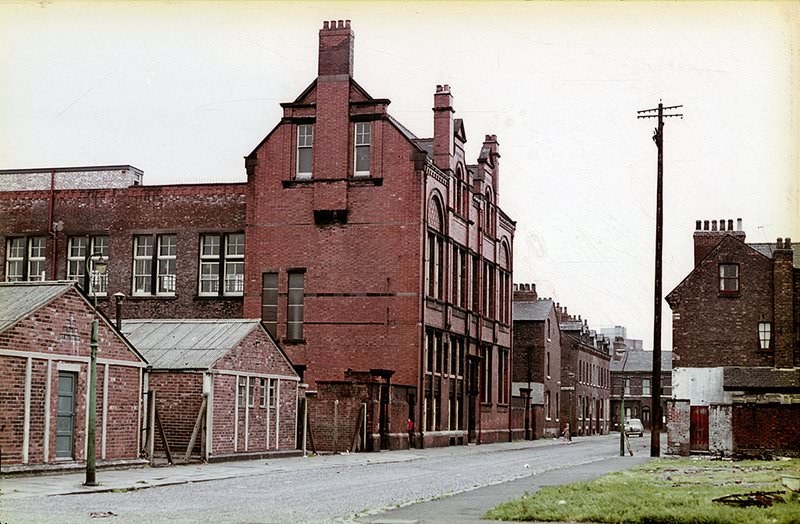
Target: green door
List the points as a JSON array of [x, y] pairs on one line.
[[65, 422]]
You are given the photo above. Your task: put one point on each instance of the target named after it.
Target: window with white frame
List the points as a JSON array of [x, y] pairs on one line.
[[78, 249], [764, 335], [143, 265], [167, 251], [251, 392], [729, 278], [234, 264], [242, 391], [645, 386], [273, 389], [264, 392], [221, 260], [209, 264], [36, 258], [15, 259], [627, 386], [305, 151], [547, 413], [362, 148], [76, 258]]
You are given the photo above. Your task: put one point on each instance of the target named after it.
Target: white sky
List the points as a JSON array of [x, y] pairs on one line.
[[185, 90]]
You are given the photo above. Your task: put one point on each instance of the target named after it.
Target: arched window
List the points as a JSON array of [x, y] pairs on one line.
[[435, 249]]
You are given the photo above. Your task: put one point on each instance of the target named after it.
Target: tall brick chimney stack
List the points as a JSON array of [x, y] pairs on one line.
[[782, 303], [491, 152], [709, 233], [332, 128], [525, 293], [336, 48], [443, 128]]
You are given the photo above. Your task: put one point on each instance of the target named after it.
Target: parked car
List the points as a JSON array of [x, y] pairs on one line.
[[633, 426]]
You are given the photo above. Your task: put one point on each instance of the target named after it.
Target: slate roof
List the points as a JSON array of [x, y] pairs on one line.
[[642, 361], [186, 344], [768, 248], [532, 311], [571, 325], [20, 299]]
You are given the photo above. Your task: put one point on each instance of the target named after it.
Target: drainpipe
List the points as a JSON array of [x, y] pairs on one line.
[[51, 225], [421, 378]]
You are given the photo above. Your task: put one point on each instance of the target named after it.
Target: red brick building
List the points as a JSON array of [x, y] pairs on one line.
[[736, 345], [365, 250], [223, 381], [631, 383], [585, 372], [44, 357], [537, 362], [383, 251]]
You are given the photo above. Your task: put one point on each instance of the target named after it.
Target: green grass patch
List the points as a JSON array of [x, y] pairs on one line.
[[665, 491]]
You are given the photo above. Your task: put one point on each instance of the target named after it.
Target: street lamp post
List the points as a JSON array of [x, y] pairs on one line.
[[100, 267], [622, 408]]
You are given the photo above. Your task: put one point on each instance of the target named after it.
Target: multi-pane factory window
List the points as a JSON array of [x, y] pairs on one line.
[[295, 306]]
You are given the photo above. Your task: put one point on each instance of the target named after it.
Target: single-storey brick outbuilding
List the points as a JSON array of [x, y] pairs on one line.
[[223, 388], [45, 330]]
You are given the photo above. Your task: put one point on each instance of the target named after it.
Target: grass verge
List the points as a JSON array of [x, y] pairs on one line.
[[665, 491]]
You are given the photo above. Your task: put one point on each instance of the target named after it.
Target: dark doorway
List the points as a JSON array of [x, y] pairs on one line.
[[65, 420], [698, 429]]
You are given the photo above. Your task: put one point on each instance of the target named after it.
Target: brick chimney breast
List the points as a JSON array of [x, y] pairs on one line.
[[336, 48]]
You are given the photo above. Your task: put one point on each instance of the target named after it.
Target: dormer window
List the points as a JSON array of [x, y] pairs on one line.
[[362, 149], [729, 278], [305, 151]]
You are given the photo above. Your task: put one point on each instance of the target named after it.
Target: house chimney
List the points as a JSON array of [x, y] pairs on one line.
[[490, 155], [443, 127], [709, 236], [525, 293], [782, 303], [332, 132], [336, 48]]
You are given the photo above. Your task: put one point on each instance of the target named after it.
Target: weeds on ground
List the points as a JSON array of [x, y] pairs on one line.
[[667, 491]]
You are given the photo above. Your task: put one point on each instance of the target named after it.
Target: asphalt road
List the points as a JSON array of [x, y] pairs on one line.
[[355, 488]]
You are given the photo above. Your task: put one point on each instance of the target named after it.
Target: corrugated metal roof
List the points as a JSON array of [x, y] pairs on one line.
[[19, 299], [768, 248], [532, 311], [642, 361], [186, 344]]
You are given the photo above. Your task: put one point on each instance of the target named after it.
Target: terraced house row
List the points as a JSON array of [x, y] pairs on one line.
[[378, 261]]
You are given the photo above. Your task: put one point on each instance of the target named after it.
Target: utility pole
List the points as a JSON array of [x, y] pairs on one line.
[[658, 138]]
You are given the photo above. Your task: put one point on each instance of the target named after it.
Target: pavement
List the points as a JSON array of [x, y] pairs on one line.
[[470, 506], [466, 507]]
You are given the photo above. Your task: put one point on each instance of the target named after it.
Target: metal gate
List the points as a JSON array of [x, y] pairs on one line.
[[65, 421], [698, 428]]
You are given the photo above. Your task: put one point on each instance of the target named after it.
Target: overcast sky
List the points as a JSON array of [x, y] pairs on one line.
[[183, 91]]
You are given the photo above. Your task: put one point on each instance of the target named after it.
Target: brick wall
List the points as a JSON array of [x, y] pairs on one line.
[[678, 420], [713, 329], [185, 211], [61, 329], [178, 400], [760, 426]]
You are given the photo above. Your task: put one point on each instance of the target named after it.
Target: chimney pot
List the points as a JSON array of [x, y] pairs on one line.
[[730, 224], [705, 225], [713, 225], [325, 24], [780, 243], [738, 224], [722, 225], [788, 243], [697, 225]]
